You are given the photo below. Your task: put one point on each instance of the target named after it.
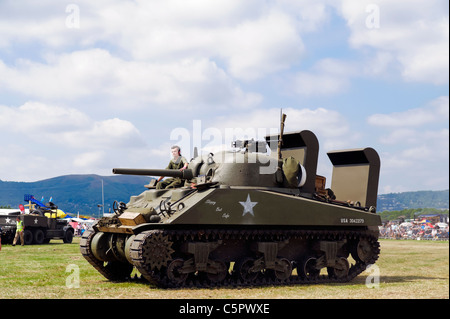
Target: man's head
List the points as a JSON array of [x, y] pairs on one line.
[[176, 151]]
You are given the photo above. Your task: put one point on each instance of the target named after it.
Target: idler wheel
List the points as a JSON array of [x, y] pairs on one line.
[[340, 269], [173, 272], [100, 247], [128, 243], [112, 270], [364, 251]]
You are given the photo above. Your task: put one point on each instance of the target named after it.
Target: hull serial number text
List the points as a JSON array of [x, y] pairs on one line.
[[352, 220]]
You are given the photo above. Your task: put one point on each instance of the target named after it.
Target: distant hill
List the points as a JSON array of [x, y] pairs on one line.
[[82, 193], [75, 193], [407, 200]]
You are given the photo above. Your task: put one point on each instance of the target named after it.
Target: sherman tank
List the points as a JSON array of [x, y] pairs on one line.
[[252, 216]]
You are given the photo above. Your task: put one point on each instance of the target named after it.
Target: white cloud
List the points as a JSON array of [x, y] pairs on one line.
[[83, 74], [330, 126], [418, 165], [23, 163], [67, 127], [252, 39], [256, 48], [312, 84], [326, 77], [415, 146], [249, 40], [40, 140], [310, 15], [131, 65], [25, 22], [249, 49], [437, 111], [89, 159], [109, 134], [400, 136], [35, 117], [261, 43], [415, 34]]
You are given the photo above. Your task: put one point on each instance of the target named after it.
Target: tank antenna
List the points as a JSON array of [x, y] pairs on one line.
[[280, 139]]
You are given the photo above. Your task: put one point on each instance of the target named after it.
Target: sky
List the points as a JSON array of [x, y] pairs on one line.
[[86, 86]]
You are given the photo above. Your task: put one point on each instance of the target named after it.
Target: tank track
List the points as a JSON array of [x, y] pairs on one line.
[[158, 275], [151, 262]]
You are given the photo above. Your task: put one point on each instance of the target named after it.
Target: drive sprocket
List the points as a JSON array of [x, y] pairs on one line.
[[152, 250]]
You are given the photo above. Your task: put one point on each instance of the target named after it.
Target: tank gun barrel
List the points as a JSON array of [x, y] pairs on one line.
[[185, 174]]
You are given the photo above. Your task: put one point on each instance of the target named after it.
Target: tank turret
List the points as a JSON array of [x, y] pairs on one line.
[[248, 164], [258, 214]]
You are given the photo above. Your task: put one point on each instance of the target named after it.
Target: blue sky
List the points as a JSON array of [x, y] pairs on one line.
[[86, 86]]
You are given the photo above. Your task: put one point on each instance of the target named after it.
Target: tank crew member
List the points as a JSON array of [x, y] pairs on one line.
[[19, 231], [177, 162]]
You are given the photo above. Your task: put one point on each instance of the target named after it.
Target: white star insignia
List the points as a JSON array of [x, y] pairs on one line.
[[248, 206], [7, 220]]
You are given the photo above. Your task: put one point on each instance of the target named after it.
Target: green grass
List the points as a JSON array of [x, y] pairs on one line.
[[408, 269]]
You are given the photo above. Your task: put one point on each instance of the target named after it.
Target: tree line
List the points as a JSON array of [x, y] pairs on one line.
[[410, 213]]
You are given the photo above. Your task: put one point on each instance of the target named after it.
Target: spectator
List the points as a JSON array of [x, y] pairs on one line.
[[413, 231]]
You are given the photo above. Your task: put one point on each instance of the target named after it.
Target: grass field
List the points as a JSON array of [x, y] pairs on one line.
[[407, 269]]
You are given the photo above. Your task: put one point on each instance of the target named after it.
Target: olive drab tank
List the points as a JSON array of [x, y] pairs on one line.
[[246, 217]]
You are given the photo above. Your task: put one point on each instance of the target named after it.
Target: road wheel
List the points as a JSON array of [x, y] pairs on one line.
[[243, 268], [283, 269], [309, 269], [174, 274], [340, 269], [220, 273]]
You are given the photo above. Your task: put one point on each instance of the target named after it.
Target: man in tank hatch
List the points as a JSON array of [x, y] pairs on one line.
[[177, 162]]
